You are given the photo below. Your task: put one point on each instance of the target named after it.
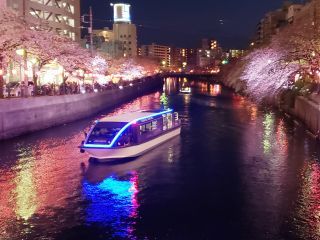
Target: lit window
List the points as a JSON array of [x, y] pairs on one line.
[[71, 9], [71, 22]]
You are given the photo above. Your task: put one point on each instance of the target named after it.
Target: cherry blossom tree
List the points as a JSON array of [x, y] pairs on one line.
[[43, 45], [268, 70], [10, 25], [129, 69]]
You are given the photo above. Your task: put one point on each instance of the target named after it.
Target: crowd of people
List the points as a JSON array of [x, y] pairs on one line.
[[66, 88]]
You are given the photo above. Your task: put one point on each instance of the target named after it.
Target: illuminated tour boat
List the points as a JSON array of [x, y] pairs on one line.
[[130, 135]]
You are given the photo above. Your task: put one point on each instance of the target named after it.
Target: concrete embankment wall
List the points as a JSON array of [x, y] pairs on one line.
[[23, 115], [308, 112]]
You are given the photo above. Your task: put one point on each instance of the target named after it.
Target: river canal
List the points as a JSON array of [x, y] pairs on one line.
[[236, 172]]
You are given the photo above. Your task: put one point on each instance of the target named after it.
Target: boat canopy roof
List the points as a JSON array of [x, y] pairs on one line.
[[134, 116]]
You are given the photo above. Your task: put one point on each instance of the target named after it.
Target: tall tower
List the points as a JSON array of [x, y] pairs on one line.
[[124, 31]]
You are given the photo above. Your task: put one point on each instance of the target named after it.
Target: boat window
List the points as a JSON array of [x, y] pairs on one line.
[[148, 127], [104, 132], [154, 125], [169, 116], [167, 121]]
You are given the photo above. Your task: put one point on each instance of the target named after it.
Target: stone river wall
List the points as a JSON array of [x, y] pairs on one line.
[[23, 115]]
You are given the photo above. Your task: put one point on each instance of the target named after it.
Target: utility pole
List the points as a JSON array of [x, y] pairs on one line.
[[25, 62], [90, 28], [1, 78], [24, 9]]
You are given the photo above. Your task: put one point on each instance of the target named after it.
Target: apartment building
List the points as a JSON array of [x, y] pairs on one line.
[[62, 16], [161, 53]]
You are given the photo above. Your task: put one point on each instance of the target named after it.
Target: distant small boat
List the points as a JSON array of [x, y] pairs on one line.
[[130, 135], [185, 90]]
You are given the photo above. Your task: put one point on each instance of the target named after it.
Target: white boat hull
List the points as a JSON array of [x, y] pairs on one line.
[[133, 151]]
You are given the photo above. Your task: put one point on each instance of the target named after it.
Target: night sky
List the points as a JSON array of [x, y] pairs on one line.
[[183, 23]]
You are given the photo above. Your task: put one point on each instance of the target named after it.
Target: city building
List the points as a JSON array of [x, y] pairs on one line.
[[192, 57], [158, 52], [236, 53], [183, 57], [123, 30], [274, 21], [209, 54], [106, 33], [179, 57], [270, 25], [121, 41], [63, 16], [293, 10], [104, 42], [308, 13]]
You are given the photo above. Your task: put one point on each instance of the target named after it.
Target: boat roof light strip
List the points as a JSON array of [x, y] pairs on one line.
[[123, 129]]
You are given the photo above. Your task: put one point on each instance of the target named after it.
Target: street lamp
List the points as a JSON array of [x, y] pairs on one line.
[[164, 63], [184, 64]]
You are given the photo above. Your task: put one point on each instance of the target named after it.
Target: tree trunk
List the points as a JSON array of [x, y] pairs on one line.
[[35, 84], [1, 78], [1, 86]]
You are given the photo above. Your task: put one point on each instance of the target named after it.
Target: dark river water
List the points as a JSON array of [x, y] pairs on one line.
[[236, 172]]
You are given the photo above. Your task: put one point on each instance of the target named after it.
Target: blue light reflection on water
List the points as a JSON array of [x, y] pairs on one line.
[[113, 203]]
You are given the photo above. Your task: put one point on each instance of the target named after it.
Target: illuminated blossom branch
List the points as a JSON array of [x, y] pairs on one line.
[[266, 72]]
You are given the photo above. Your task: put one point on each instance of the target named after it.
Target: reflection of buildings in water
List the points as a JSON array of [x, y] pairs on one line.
[[8, 204], [170, 154], [238, 101], [170, 86], [36, 184], [209, 89], [53, 171], [282, 138], [18, 191], [265, 170], [241, 103], [215, 89], [113, 203], [204, 102], [151, 101], [186, 86], [308, 205], [253, 112], [268, 124], [187, 100], [25, 192], [203, 87]]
